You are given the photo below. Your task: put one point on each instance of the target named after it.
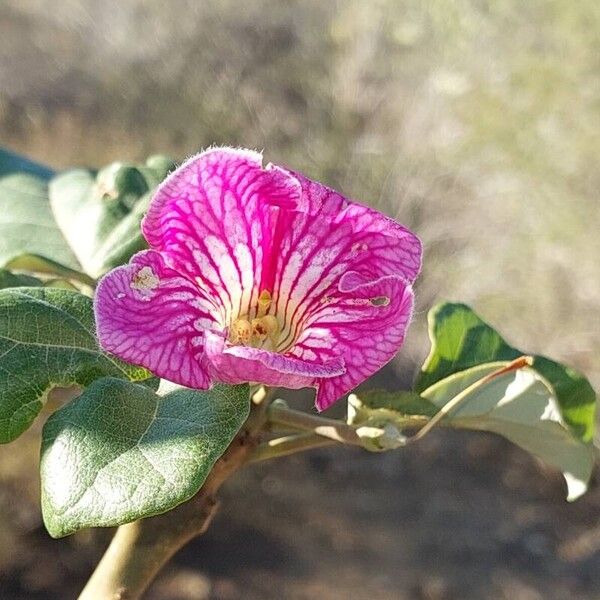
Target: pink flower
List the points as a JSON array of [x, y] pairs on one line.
[[260, 274]]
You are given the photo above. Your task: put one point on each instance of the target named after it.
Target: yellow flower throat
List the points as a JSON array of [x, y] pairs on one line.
[[262, 331]]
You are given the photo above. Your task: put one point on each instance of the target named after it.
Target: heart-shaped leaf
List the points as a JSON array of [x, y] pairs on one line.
[[27, 225], [120, 452], [521, 406], [47, 339], [100, 214], [460, 340]]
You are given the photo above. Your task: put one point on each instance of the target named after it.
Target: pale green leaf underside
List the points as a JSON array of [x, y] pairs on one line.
[[120, 452], [522, 407], [460, 340], [47, 339], [34, 263], [27, 225]]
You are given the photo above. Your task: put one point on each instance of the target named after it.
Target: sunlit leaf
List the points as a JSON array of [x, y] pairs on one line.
[[460, 340], [378, 407], [33, 263], [120, 452], [522, 407]]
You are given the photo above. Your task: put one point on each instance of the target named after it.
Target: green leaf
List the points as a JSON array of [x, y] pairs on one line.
[[12, 280], [47, 339], [120, 452], [380, 416], [379, 407], [522, 407], [27, 225], [34, 263], [100, 214], [460, 340]]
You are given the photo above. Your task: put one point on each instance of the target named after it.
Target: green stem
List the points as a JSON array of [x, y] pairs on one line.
[[335, 430], [290, 444]]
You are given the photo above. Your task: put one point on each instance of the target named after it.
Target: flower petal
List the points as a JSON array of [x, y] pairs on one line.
[[212, 217], [314, 252], [150, 315], [237, 364], [365, 323], [403, 250]]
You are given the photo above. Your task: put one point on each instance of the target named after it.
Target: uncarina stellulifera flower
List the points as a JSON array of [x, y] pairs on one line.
[[260, 274]]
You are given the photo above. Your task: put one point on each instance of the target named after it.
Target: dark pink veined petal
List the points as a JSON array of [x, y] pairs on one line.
[[364, 323], [149, 315], [314, 252], [224, 229], [238, 364], [213, 218], [405, 260]]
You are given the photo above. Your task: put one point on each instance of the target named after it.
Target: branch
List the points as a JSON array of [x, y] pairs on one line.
[[335, 430]]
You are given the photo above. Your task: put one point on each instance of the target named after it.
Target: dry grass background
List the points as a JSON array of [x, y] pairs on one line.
[[477, 123]]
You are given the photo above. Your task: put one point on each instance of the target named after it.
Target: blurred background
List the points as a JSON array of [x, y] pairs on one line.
[[477, 124]]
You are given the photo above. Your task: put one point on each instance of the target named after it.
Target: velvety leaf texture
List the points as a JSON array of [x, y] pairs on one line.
[[120, 452], [47, 339], [27, 225], [460, 340]]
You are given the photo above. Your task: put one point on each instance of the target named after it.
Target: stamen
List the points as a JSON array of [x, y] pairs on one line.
[[273, 329], [259, 331], [264, 303], [241, 332], [263, 329]]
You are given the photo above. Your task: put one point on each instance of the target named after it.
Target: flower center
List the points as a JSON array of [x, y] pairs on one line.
[[260, 331]]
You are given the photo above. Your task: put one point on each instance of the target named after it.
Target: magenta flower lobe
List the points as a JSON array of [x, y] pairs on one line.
[[260, 274]]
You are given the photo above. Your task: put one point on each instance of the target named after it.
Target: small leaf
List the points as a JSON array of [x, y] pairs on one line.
[[522, 407], [100, 214], [47, 339], [460, 340], [120, 452], [12, 280], [26, 221], [379, 407], [33, 263], [380, 416]]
